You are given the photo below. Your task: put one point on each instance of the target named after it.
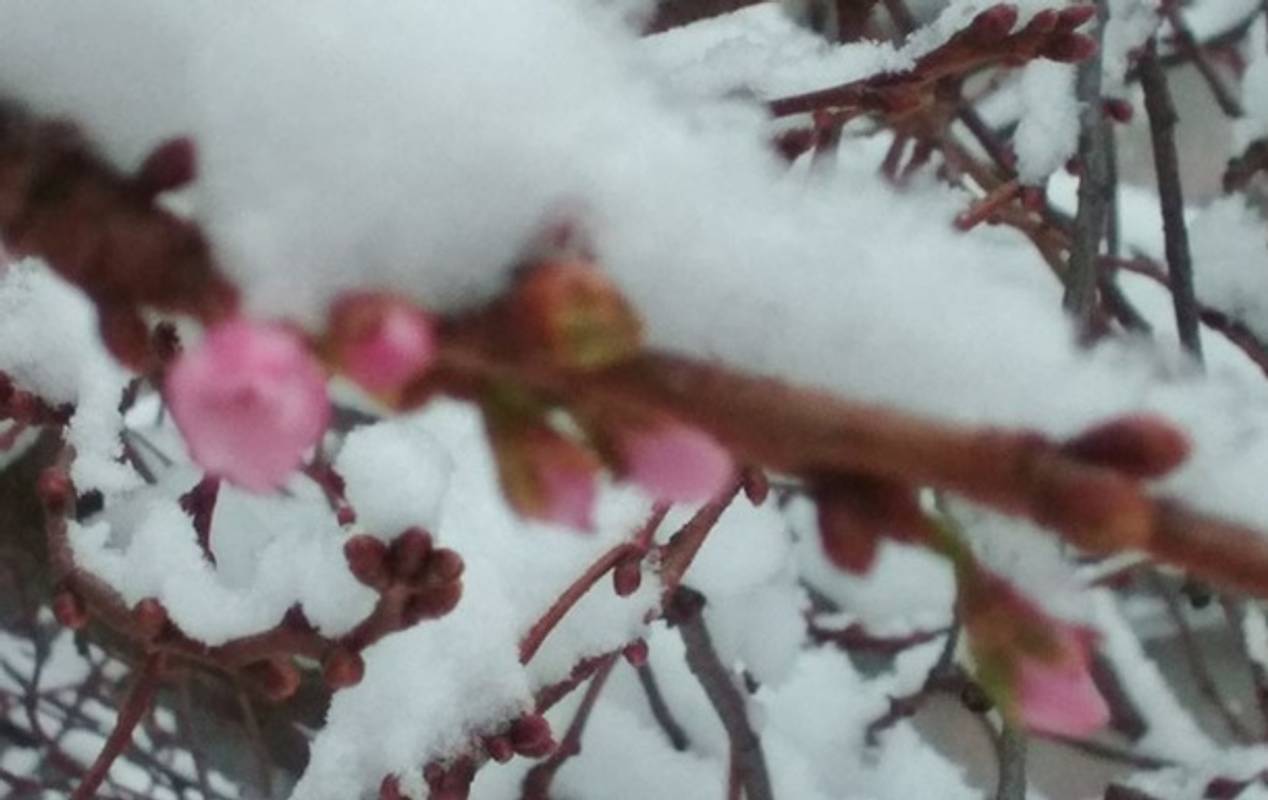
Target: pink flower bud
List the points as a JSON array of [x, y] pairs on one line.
[[569, 311], [1034, 665], [674, 462], [249, 401], [381, 341], [1060, 698], [547, 477]]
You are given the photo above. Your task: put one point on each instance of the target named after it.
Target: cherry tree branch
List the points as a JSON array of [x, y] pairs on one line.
[[1162, 122], [137, 705], [685, 613], [660, 709], [537, 782]]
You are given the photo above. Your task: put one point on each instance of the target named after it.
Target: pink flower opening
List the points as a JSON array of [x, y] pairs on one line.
[[1061, 698], [676, 463], [387, 341], [250, 401]]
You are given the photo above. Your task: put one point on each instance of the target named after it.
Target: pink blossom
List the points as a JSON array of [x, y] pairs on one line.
[[382, 342], [250, 401], [675, 463], [1060, 698]]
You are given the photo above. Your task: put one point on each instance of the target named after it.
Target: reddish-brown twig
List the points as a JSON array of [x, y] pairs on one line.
[[136, 706], [537, 782]]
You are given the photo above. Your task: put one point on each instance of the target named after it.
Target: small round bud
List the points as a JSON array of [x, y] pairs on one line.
[[150, 618], [277, 678], [531, 737], [69, 609], [54, 490], [636, 652], [627, 577], [343, 668], [445, 565], [408, 553], [499, 748], [367, 560], [431, 602], [975, 699]]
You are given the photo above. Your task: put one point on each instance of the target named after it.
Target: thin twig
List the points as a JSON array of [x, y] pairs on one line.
[[685, 612], [536, 784], [1010, 749], [1224, 97], [1198, 667], [1162, 122], [1094, 189], [136, 706], [660, 709]]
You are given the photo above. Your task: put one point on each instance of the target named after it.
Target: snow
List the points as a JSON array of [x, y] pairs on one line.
[[373, 460], [424, 164], [1048, 133]]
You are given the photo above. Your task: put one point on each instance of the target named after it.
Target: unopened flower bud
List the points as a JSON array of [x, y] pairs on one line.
[[531, 736], [568, 310], [150, 618], [380, 341], [627, 576], [499, 748], [55, 491], [342, 668], [367, 560], [1141, 446], [636, 652], [408, 553], [277, 678], [69, 609]]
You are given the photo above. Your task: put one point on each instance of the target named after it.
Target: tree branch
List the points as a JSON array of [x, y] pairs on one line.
[[1162, 121], [685, 613]]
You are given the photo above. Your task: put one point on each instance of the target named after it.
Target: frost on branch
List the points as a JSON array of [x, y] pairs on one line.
[[867, 339]]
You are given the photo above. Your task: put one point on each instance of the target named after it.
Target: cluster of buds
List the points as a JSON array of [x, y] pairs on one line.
[[416, 580]]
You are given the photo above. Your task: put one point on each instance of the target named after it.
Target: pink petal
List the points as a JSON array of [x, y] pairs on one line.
[[398, 343], [1060, 698], [250, 401], [676, 463]]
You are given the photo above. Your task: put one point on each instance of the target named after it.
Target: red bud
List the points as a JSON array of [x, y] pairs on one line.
[[277, 678], [499, 748], [408, 553], [150, 618], [627, 576], [993, 23], [390, 789], [445, 565], [54, 490], [636, 652], [69, 609], [1069, 47], [367, 560], [1072, 17], [1044, 22], [531, 737], [343, 668], [1142, 446], [171, 165], [432, 601], [756, 485]]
